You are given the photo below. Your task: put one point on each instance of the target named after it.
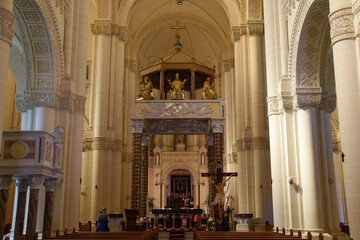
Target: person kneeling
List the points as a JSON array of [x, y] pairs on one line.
[[102, 222]]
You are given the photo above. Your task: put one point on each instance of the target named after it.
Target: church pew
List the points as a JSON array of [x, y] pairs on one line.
[[151, 235], [85, 226]]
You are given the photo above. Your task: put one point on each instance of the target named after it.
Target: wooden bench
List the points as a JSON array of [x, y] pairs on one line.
[[85, 226], [151, 235], [204, 235]]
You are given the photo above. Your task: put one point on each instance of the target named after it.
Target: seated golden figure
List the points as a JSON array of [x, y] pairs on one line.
[[209, 92], [177, 87], [146, 88]]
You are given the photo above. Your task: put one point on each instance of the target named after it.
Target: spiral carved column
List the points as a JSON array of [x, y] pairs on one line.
[[5, 182], [35, 185], [144, 175], [49, 202], [21, 185]]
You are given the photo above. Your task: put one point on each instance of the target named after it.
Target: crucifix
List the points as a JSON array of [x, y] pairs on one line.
[[219, 185], [177, 27]]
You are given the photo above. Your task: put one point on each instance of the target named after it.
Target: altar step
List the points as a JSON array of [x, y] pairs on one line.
[[175, 235]]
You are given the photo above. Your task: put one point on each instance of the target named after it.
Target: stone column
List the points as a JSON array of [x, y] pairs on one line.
[[22, 186], [5, 182], [309, 165], [35, 185], [49, 200], [346, 58], [137, 129], [212, 167], [162, 87], [218, 137], [192, 91], [144, 175], [262, 185], [6, 34]]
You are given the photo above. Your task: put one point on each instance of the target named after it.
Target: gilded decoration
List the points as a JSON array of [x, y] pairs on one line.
[[146, 89], [177, 87], [209, 91], [6, 26], [177, 109], [341, 25]]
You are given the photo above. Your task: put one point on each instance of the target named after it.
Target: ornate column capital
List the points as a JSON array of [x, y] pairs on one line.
[[235, 33], [50, 184], [36, 182], [255, 28], [306, 97], [5, 182], [6, 26], [98, 143], [286, 101], [137, 126], [106, 28], [217, 126], [341, 25], [23, 102], [22, 184], [122, 35], [227, 65]]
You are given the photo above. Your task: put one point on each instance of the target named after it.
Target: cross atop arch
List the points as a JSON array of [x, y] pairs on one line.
[[177, 27]]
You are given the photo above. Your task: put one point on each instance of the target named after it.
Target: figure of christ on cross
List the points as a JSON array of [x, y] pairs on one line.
[[220, 194]]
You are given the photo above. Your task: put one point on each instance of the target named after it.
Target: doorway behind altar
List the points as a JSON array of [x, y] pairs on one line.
[[180, 189]]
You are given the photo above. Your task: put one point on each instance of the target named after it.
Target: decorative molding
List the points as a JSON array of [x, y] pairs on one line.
[[5, 182], [137, 126], [122, 33], [286, 102], [227, 65], [328, 103], [307, 97], [87, 144], [107, 28], [50, 184], [341, 25], [255, 28], [255, 9], [23, 102], [356, 8], [7, 25], [98, 143], [79, 105]]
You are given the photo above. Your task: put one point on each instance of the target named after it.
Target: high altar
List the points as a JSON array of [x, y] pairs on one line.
[[177, 106]]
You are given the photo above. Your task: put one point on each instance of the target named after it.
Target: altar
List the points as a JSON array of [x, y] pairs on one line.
[[167, 219]]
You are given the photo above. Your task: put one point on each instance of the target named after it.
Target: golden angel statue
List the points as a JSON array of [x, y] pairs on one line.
[[146, 88], [209, 92]]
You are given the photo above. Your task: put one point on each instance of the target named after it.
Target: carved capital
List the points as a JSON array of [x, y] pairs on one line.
[[79, 105], [122, 33], [36, 182], [341, 25], [6, 26], [137, 126], [307, 97], [98, 143], [227, 65], [23, 102], [235, 34], [22, 184], [50, 184], [5, 182], [273, 105], [286, 102], [217, 126], [42, 97], [255, 28], [104, 28], [87, 144]]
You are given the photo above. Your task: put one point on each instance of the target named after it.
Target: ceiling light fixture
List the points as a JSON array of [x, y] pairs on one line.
[[179, 2]]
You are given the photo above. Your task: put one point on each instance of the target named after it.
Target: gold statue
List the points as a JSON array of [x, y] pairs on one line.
[[177, 87], [146, 88], [209, 92]]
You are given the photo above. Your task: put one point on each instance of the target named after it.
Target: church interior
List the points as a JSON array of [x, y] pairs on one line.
[[169, 111]]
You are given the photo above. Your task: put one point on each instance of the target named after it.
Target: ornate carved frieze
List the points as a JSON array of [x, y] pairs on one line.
[[341, 25], [255, 28], [43, 97], [6, 26], [5, 182], [137, 126], [87, 144], [255, 9], [101, 143], [307, 97], [250, 143], [260, 143], [286, 101], [23, 102], [122, 33], [273, 105]]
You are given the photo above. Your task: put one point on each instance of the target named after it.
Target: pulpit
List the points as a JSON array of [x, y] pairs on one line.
[[131, 215]]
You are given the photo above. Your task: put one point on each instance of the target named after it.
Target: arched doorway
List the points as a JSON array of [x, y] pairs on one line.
[[180, 191]]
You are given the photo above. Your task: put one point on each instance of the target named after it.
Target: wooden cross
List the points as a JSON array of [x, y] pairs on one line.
[[234, 174], [177, 27]]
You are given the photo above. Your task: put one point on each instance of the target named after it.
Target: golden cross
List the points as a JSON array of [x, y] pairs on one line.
[[177, 27]]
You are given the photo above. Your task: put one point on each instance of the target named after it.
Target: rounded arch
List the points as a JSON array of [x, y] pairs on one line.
[[229, 6], [42, 54], [176, 166], [306, 45]]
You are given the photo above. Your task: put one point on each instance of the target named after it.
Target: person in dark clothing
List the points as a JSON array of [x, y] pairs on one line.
[[103, 220]]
